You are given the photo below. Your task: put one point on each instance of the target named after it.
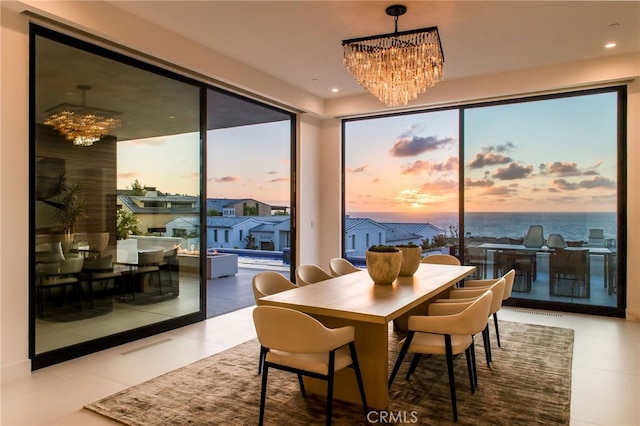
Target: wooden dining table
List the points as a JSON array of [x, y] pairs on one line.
[[354, 299]]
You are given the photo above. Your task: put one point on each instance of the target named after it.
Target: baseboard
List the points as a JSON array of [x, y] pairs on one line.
[[18, 370]]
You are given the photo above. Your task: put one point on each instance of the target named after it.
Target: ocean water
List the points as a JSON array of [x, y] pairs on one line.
[[573, 226]]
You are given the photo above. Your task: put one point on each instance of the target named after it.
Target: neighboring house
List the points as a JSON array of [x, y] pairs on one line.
[[399, 231], [395, 236], [361, 233], [183, 227], [155, 210], [275, 235], [270, 232], [238, 207]]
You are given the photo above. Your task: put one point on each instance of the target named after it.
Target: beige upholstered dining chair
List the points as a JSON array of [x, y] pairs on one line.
[[470, 293], [509, 278], [310, 274], [267, 283], [298, 343], [441, 259], [447, 330], [341, 266], [264, 284]]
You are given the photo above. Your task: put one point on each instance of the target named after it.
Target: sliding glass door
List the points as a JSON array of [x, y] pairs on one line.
[[124, 227], [542, 196]]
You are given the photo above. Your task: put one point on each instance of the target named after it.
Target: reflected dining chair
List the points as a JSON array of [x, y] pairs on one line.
[[99, 270], [447, 334], [61, 274], [310, 274], [441, 259], [341, 266], [264, 284], [298, 343], [148, 267]]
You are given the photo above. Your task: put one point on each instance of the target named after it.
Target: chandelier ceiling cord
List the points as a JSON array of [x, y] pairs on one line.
[[81, 124], [396, 67]]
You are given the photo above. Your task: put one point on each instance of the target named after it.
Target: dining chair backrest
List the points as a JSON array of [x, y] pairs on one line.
[[310, 274], [596, 237], [267, 283], [294, 331], [340, 266], [534, 237], [150, 257], [441, 259], [71, 265], [556, 241], [98, 263]]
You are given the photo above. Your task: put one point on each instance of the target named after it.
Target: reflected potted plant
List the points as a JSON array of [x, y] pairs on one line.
[[411, 256], [383, 263], [71, 207]]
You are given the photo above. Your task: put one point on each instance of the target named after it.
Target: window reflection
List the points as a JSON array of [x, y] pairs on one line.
[[106, 242]]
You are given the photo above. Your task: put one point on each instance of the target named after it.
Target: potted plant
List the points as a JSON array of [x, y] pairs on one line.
[[411, 256], [71, 209], [383, 263]]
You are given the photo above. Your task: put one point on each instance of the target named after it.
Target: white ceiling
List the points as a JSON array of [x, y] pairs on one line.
[[299, 42]]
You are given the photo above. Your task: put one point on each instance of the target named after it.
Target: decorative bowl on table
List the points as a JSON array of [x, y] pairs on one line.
[[383, 263], [411, 256]]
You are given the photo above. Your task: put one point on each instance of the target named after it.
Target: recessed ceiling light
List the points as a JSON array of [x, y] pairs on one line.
[[335, 90], [610, 45]]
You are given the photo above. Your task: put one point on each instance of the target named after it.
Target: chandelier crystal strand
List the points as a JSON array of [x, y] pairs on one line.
[[398, 67], [81, 129]]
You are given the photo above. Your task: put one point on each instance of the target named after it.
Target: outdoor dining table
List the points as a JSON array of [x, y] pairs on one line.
[[519, 248], [354, 299]]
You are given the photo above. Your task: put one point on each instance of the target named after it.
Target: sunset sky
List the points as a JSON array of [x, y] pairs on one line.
[[243, 162], [552, 155]]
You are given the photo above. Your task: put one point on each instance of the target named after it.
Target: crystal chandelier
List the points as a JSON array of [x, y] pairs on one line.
[[81, 124], [396, 67]]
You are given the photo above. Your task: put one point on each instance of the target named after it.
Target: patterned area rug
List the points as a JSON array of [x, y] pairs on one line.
[[529, 383]]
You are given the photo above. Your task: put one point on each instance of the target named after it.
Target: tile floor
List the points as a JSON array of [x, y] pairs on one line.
[[605, 386]]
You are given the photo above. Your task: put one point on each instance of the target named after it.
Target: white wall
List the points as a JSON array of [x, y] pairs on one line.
[[319, 162]]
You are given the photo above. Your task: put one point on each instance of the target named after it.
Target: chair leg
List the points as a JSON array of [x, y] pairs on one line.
[[401, 355], [303, 391], [473, 358], [414, 364], [263, 353], [263, 394], [487, 345], [495, 323], [332, 366], [468, 356], [452, 383], [356, 368]]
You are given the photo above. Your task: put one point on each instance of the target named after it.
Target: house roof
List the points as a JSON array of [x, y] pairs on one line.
[[180, 204]]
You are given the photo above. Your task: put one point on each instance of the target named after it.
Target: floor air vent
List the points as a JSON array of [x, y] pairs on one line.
[[142, 348], [546, 314]]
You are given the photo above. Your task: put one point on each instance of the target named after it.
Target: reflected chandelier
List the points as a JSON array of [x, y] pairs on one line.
[[82, 124], [396, 67]]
